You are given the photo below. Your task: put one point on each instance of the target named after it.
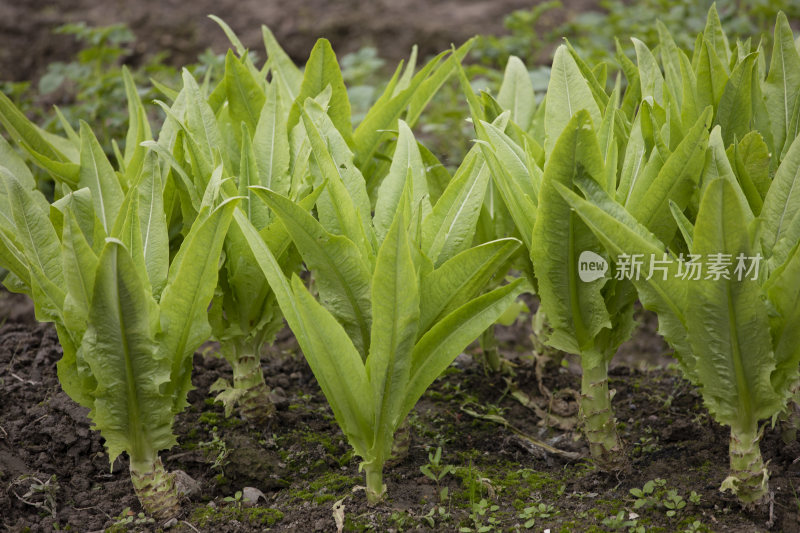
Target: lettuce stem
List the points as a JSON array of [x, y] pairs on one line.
[[599, 424], [254, 404], [375, 487], [748, 478], [155, 488]]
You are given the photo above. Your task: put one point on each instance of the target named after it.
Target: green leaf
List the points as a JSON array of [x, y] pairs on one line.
[[244, 93], [42, 251], [80, 266], [450, 227], [783, 292], [395, 319], [333, 359], [271, 144], [576, 309], [712, 76], [652, 82], [289, 76], [24, 131], [344, 206], [184, 301], [782, 85], [98, 175], [406, 168], [676, 181], [434, 352], [130, 408], [727, 319], [460, 278], [322, 70], [567, 93], [153, 225], [622, 234], [779, 215], [341, 273], [734, 112], [715, 35], [516, 93]]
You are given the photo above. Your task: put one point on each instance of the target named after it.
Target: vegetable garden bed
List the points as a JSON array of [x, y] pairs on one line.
[[213, 275], [303, 466]]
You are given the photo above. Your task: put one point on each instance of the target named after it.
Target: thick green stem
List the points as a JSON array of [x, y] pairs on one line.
[[254, 402], [489, 346], [155, 488], [599, 424], [748, 478], [375, 487]]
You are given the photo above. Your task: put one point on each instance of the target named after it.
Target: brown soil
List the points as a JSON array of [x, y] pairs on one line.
[[27, 43], [302, 463]]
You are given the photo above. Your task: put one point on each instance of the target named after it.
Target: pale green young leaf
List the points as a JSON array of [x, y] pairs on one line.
[[153, 224], [782, 85], [516, 93], [16, 166], [98, 175], [130, 408], [676, 180], [344, 206], [671, 60], [244, 93], [249, 175], [80, 267], [449, 228], [230, 34], [460, 278], [779, 215], [271, 144], [711, 76], [718, 166], [715, 35], [652, 82], [322, 70], [567, 93], [201, 127], [598, 89], [735, 112], [289, 76], [21, 130], [750, 160], [430, 85], [384, 113], [406, 167], [783, 293], [42, 250], [622, 234], [138, 126]]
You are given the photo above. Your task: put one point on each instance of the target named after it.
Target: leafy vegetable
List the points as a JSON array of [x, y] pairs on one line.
[[373, 341]]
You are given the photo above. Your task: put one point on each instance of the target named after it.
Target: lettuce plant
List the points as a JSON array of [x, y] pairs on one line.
[[399, 292], [253, 128], [129, 315], [588, 318], [734, 332]]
